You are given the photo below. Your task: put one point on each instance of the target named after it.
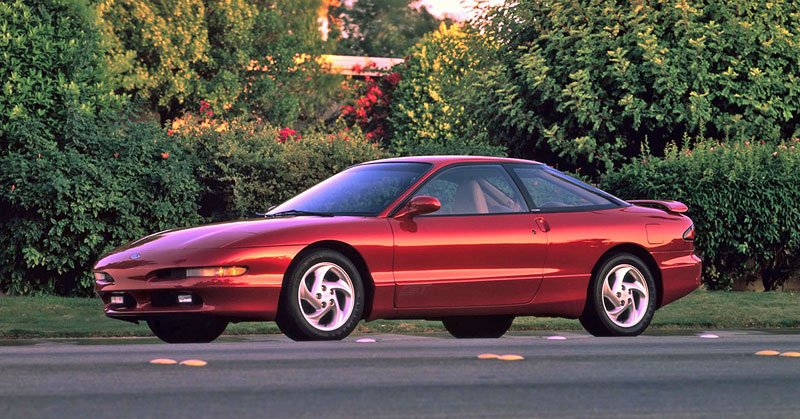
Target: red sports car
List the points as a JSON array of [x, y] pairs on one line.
[[472, 241]]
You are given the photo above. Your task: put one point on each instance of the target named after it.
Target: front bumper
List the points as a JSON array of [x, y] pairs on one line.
[[132, 275], [233, 303]]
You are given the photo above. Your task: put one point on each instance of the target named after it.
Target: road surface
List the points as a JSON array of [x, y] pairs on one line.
[[406, 376]]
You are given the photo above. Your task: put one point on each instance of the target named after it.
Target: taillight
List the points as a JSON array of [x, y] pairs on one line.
[[688, 235]]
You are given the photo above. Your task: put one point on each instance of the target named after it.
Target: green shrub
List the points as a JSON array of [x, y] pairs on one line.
[[249, 166], [75, 180], [588, 81], [743, 198], [101, 189], [427, 116]]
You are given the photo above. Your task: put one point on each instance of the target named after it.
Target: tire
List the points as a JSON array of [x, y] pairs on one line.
[[322, 299], [187, 330], [621, 299], [478, 327]]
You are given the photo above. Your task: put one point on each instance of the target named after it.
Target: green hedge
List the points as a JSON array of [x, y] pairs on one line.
[[743, 198], [103, 187], [249, 166]]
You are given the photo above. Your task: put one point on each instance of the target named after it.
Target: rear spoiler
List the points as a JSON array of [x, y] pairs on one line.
[[674, 207]]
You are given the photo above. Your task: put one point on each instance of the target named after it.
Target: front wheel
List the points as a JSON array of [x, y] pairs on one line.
[[187, 330], [475, 327], [621, 299], [323, 298]]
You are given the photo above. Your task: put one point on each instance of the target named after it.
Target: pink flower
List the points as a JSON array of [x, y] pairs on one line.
[[204, 106], [287, 133], [165, 155]]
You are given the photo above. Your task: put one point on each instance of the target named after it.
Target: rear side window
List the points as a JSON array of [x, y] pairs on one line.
[[551, 190]]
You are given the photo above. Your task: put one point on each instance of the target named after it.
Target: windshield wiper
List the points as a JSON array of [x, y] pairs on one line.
[[294, 213]]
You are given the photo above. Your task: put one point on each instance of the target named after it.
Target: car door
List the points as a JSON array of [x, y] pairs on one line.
[[482, 248], [580, 221]]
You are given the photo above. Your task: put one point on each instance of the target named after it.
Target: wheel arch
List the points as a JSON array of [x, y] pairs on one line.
[[350, 253], [641, 253]]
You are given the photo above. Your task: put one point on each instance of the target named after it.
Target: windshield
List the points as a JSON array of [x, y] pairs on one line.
[[360, 190]]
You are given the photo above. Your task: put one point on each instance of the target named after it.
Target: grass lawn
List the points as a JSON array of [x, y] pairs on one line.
[[44, 317]]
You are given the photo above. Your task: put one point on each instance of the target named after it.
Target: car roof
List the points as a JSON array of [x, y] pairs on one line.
[[446, 160]]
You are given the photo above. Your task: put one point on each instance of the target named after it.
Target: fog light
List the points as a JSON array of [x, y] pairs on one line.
[[216, 271], [117, 299], [184, 299]]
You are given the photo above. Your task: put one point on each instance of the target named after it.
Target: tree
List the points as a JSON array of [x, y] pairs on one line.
[[243, 57], [428, 115], [592, 82], [382, 28]]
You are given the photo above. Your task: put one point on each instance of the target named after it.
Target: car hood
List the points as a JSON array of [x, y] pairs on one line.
[[244, 233]]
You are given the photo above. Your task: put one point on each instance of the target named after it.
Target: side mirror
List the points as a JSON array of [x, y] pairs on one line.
[[419, 205]]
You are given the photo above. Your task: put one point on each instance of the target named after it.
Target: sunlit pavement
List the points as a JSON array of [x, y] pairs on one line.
[[538, 374]]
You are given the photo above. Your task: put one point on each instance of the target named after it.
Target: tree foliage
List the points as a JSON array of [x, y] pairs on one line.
[[428, 114], [382, 28], [244, 57], [591, 80]]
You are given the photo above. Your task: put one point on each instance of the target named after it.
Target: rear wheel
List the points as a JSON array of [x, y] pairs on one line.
[[323, 298], [622, 298], [474, 327], [187, 330]]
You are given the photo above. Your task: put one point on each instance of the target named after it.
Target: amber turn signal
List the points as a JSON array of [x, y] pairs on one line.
[[216, 271]]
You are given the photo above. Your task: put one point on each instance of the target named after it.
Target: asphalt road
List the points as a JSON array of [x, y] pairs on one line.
[[406, 376]]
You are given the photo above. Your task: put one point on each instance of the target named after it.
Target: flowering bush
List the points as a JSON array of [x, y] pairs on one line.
[[369, 106], [743, 198]]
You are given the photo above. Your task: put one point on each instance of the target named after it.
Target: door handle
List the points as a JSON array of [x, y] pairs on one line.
[[542, 224]]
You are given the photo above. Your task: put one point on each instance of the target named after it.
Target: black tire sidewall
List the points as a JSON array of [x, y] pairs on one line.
[[187, 330], [290, 317], [598, 308], [477, 326]]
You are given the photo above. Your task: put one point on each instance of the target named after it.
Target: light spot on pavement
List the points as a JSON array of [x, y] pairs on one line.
[[767, 352], [163, 361], [365, 340], [488, 356], [556, 338], [708, 336], [791, 354], [194, 363], [510, 357]]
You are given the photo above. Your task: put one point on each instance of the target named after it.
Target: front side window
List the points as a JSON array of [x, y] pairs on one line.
[[550, 189], [361, 190], [474, 189]]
